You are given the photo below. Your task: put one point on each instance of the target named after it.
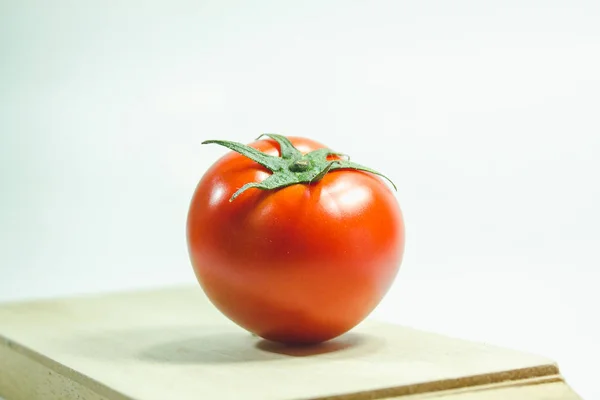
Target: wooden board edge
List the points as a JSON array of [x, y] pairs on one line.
[[485, 391], [541, 372], [28, 375]]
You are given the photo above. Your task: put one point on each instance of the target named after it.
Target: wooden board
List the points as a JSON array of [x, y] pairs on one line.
[[173, 344]]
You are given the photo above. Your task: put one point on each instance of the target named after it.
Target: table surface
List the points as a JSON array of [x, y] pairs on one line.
[[173, 343]]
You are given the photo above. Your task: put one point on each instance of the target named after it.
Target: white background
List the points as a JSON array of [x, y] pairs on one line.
[[485, 114]]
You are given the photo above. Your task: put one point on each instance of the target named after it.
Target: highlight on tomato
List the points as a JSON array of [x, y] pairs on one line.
[[293, 241]]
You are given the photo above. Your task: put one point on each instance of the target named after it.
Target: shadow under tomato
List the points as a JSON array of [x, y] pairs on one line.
[[243, 348], [191, 345], [218, 348], [345, 342]]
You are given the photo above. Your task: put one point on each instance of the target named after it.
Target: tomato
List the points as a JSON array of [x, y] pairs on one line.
[[303, 262]]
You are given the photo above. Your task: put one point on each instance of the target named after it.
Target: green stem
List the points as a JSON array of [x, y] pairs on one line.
[[292, 167]]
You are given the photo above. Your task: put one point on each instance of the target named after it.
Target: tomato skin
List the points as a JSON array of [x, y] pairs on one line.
[[299, 264]]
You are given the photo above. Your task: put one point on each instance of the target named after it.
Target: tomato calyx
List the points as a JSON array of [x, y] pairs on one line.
[[292, 167], [300, 165]]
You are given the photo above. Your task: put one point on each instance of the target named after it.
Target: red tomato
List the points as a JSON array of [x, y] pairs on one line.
[[299, 264]]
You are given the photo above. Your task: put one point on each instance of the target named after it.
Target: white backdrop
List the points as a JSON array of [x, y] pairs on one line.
[[485, 115]]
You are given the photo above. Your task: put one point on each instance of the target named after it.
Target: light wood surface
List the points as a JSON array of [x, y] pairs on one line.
[[173, 344]]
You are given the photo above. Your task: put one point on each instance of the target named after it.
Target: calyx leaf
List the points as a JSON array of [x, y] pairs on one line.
[[292, 167]]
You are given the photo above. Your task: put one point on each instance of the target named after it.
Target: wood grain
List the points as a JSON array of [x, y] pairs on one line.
[[535, 389], [172, 343]]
